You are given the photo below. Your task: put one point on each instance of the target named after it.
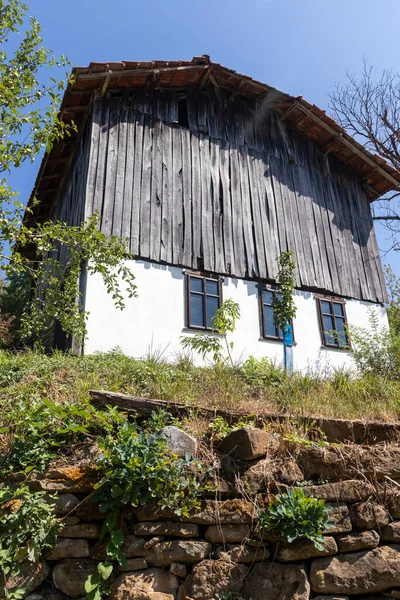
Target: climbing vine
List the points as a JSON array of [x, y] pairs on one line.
[[284, 304]]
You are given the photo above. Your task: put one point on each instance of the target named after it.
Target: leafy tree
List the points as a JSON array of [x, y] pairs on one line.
[[284, 304], [29, 124]]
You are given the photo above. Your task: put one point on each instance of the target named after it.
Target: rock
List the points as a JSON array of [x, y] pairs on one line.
[[395, 593], [227, 533], [64, 503], [331, 598], [45, 592], [89, 531], [276, 582], [178, 442], [179, 570], [150, 543], [132, 547], [242, 553], [150, 584], [358, 541], [357, 573], [339, 516], [369, 515], [266, 472], [210, 577], [134, 564], [70, 521], [303, 549], [68, 548], [70, 575], [169, 528], [336, 463], [391, 532], [79, 479], [89, 511], [394, 506], [341, 491], [212, 512], [181, 551], [30, 576], [247, 443]]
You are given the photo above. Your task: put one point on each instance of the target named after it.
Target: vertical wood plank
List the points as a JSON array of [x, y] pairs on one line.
[[111, 168], [257, 200], [177, 196], [206, 207], [251, 257], [102, 156], [192, 110], [137, 121], [129, 168], [269, 218], [187, 197], [217, 217], [196, 199], [156, 202], [166, 205], [237, 215], [145, 197], [230, 264], [93, 157], [116, 228]]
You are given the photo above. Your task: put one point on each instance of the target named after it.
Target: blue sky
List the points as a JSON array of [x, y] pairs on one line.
[[301, 47]]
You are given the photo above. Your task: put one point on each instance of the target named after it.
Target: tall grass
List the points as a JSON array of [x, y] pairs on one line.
[[255, 386]]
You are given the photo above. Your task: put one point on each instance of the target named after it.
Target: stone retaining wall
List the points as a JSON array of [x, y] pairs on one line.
[[220, 548]]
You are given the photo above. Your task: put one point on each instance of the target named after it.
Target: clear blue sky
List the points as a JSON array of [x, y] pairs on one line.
[[302, 47]]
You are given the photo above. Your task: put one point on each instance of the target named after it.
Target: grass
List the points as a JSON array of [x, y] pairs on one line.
[[253, 387]]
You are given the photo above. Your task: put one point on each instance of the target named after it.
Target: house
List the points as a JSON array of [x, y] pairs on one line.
[[211, 175]]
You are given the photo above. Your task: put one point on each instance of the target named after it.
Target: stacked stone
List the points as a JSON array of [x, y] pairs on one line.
[[221, 549]]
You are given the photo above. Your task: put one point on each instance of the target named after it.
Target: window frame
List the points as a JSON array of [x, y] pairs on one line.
[[275, 290], [332, 300], [205, 277]]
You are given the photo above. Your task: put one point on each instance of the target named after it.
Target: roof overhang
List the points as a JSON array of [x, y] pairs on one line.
[[377, 176]]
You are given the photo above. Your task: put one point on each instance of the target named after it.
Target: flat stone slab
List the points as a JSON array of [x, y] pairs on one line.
[[187, 552], [357, 573], [354, 542], [274, 581], [169, 528], [247, 443], [304, 549]]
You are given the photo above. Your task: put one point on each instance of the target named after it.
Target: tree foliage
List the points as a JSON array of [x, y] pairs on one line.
[[29, 125], [284, 304]]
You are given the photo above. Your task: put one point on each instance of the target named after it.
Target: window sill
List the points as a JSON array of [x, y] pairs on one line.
[[274, 341], [336, 349], [205, 331]]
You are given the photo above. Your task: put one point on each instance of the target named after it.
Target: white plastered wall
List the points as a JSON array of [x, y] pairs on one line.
[[155, 320]]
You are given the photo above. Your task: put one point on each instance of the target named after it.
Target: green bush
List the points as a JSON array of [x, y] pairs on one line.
[[296, 516]]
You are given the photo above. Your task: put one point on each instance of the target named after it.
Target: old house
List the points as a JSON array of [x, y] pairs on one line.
[[211, 175]]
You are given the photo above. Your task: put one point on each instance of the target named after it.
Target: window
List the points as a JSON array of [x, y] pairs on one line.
[[332, 322], [269, 330], [203, 300]]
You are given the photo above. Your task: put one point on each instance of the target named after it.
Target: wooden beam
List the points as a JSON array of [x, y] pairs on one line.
[[105, 83], [351, 145], [289, 110], [336, 430], [128, 72]]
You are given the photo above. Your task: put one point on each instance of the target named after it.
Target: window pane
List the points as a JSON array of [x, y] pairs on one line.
[[326, 307], [269, 323], [212, 287], [338, 309], [328, 328], [341, 329], [196, 311], [212, 306], [196, 284], [268, 297]]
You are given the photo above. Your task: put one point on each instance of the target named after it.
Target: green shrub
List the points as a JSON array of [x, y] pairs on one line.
[[27, 526], [296, 516]]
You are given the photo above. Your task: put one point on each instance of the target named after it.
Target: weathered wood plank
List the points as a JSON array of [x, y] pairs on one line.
[[145, 196], [251, 256], [226, 200], [102, 156], [207, 234], [217, 209], [196, 199], [167, 198], [187, 197], [237, 215], [257, 202], [137, 121], [156, 191], [94, 156], [192, 110], [129, 168], [269, 219], [177, 196], [111, 167], [116, 228]]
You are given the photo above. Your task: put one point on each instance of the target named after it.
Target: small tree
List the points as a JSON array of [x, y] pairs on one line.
[[223, 322], [29, 124], [284, 305]]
